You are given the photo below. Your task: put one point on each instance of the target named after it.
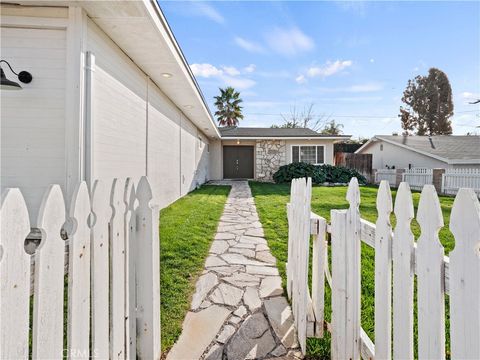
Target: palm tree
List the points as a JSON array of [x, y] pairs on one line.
[[332, 128], [228, 104]]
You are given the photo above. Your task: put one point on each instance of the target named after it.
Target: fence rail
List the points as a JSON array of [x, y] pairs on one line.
[[454, 179], [397, 253], [386, 174], [113, 274]]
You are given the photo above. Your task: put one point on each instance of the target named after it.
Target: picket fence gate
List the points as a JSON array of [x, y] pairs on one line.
[[386, 174], [454, 179], [398, 259], [113, 274], [417, 177]]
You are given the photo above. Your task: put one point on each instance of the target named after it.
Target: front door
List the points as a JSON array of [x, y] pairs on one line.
[[238, 162]]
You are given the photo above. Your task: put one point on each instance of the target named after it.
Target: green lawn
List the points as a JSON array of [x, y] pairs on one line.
[[271, 201], [187, 228]]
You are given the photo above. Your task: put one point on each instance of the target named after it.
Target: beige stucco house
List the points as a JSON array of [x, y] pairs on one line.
[[433, 152], [257, 153]]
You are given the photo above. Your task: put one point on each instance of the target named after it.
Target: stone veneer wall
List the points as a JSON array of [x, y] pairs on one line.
[[270, 155]]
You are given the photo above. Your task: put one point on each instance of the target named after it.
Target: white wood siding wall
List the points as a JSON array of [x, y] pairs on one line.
[[33, 119], [136, 128], [164, 145], [126, 106], [119, 107]]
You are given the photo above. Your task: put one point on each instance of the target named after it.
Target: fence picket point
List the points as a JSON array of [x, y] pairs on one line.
[[100, 269], [383, 273], [403, 275], [47, 342], [464, 276], [130, 303], [430, 278], [14, 276], [79, 275], [147, 277]]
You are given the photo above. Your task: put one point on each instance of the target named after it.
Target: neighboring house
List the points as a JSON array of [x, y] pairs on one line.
[[444, 151], [112, 96], [257, 153]]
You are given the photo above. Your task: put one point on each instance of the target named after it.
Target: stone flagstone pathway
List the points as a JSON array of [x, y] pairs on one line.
[[238, 310]]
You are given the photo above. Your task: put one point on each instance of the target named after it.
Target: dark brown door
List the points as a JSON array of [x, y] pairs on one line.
[[238, 162]]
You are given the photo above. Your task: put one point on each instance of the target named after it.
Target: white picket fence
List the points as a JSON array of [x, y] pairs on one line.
[[398, 259], [454, 179], [113, 275], [418, 177], [386, 174]]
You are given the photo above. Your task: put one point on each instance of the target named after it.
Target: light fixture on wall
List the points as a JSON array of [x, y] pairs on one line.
[[24, 77], [238, 142]]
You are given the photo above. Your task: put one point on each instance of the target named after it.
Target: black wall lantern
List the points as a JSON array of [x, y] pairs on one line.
[[24, 77]]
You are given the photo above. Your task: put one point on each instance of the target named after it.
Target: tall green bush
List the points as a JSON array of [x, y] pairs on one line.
[[319, 173]]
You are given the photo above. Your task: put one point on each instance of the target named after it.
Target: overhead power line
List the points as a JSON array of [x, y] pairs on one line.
[[357, 116]]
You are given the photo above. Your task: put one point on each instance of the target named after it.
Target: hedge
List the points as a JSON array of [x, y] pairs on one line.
[[319, 173]]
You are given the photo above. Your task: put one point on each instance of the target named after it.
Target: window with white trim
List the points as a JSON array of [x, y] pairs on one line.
[[308, 153]]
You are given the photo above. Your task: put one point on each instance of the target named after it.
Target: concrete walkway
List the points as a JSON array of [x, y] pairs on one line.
[[238, 310]]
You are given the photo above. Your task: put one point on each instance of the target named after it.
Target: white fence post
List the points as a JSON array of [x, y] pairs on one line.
[[147, 274], [79, 276], [319, 259], [14, 276], [100, 272], [49, 278], [339, 284], [117, 271], [353, 270], [430, 278], [403, 275], [383, 274], [465, 277]]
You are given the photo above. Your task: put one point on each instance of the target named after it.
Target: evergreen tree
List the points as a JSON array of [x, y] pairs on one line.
[[429, 105]]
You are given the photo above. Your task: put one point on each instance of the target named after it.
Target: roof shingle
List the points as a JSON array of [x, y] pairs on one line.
[[459, 147]]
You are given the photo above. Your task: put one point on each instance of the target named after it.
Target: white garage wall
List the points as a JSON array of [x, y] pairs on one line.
[[118, 110], [399, 157], [33, 119], [163, 147], [216, 160], [126, 107], [202, 159], [188, 157]]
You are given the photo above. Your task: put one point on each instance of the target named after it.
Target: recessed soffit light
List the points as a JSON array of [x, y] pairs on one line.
[[167, 75]]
